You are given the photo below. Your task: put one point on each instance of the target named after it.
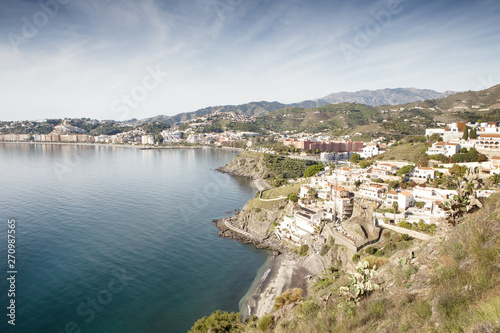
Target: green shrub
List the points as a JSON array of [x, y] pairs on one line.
[[356, 257], [264, 322], [218, 322], [419, 204], [313, 170], [303, 250], [405, 237], [371, 250], [324, 250], [293, 197]]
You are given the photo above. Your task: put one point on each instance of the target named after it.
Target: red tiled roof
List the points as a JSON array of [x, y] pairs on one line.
[[488, 135]]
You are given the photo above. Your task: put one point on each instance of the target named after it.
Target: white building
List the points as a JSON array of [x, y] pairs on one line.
[[423, 173], [169, 136], [445, 148], [488, 141], [404, 199], [389, 167], [147, 140], [370, 151], [454, 131], [373, 191]]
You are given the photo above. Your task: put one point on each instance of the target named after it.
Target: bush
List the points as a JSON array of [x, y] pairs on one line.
[[371, 250], [419, 204], [264, 322], [356, 257], [293, 197], [405, 237], [324, 250], [365, 164], [303, 250], [288, 297], [405, 170], [218, 322], [313, 170], [439, 157]]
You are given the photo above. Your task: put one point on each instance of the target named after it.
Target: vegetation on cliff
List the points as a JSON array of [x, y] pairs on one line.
[[447, 284], [274, 168]]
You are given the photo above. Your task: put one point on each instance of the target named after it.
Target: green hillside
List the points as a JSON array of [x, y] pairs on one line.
[[325, 118]]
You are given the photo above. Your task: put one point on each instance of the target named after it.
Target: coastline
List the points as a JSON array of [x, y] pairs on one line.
[[280, 273], [141, 147]]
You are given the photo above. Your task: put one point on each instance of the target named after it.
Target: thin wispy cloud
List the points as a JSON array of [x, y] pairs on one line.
[[90, 53]]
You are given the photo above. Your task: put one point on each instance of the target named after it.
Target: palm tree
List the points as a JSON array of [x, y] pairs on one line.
[[395, 206]]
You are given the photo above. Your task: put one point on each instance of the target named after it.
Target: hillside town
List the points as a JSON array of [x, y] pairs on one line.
[[397, 199]]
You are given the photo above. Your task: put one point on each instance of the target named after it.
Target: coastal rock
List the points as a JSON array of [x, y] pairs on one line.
[[246, 164]]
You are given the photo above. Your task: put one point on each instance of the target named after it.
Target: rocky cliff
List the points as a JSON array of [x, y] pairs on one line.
[[246, 164]]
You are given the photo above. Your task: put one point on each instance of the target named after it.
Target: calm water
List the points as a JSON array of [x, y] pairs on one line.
[[115, 239]]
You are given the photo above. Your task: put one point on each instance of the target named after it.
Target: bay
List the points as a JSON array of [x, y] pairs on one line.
[[117, 239]]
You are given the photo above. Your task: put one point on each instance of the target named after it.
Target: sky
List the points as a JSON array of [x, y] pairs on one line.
[[128, 59]]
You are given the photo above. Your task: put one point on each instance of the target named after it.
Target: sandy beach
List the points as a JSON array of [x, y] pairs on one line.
[[260, 184], [281, 273]]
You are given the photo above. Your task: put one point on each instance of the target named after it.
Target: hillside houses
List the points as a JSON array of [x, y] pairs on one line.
[[445, 148], [373, 191], [404, 199], [423, 173], [488, 137]]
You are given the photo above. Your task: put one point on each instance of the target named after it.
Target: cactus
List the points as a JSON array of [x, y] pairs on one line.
[[361, 282], [466, 198]]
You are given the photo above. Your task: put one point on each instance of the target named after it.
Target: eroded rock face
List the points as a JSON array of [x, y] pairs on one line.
[[246, 164]]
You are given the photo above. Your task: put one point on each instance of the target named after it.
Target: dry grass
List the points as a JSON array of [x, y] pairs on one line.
[[463, 296], [410, 152]]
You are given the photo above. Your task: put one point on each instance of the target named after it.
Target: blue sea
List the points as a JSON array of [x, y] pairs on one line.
[[117, 239]]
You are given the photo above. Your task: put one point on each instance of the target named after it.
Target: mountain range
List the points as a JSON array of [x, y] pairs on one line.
[[366, 97]]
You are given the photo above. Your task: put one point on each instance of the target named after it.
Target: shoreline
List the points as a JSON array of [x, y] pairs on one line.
[[141, 147], [280, 273]]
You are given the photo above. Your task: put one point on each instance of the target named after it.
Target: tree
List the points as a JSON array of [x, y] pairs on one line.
[[365, 164], [473, 134], [458, 170], [293, 197], [355, 158], [313, 170], [435, 137], [395, 206], [158, 138], [466, 133], [404, 171]]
